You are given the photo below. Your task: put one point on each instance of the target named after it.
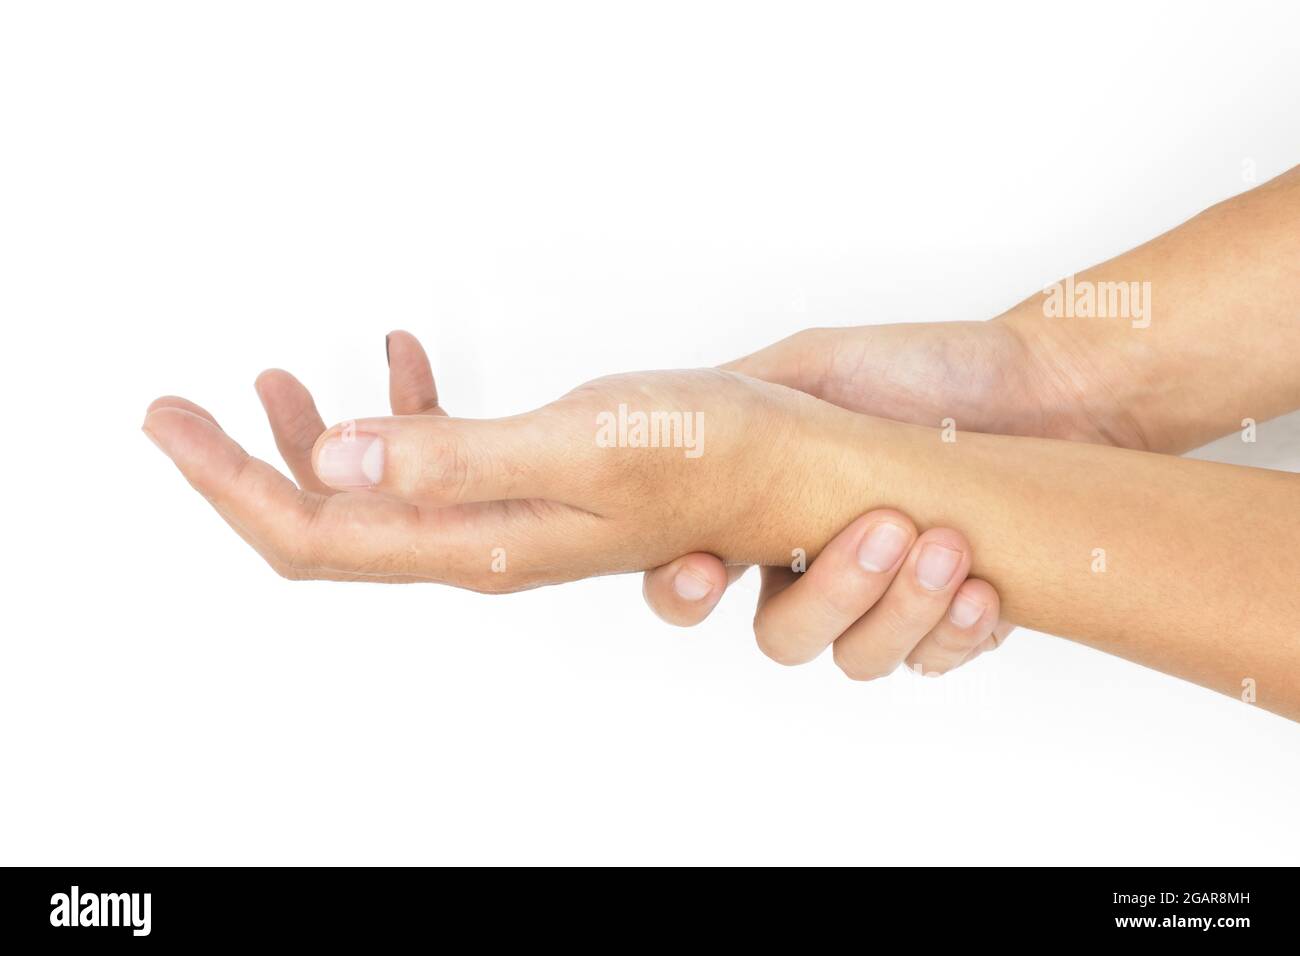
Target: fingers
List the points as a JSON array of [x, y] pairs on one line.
[[286, 526], [968, 622], [440, 461], [175, 401], [411, 389], [995, 640], [264, 506], [295, 423], [795, 623], [685, 591], [916, 602], [501, 546], [881, 595]]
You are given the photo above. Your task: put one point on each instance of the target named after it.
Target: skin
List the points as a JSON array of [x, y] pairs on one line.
[[1200, 566], [1170, 387], [915, 373], [800, 614]]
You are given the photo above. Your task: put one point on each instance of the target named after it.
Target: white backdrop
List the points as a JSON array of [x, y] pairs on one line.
[[545, 193]]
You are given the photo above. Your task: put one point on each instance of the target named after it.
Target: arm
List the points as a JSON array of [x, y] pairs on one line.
[[1218, 343], [1200, 559], [632, 512]]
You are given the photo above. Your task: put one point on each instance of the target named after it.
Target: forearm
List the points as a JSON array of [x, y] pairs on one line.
[[1188, 567], [1215, 340]]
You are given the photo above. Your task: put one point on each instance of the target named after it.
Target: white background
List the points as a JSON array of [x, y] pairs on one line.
[[191, 193]]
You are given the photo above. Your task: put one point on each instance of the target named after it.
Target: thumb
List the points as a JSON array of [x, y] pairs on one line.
[[447, 461]]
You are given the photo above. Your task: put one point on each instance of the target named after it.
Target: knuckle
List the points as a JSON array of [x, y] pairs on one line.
[[897, 618], [845, 598], [455, 468], [445, 467], [295, 553], [953, 641], [303, 427]]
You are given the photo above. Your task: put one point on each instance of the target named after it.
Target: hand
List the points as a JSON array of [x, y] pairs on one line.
[[538, 498], [1003, 376], [879, 594], [986, 376]]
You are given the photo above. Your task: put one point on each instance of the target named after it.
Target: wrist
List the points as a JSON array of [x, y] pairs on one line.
[[1083, 376], [848, 464]]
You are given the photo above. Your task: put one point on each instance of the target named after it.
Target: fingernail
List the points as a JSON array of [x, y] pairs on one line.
[[936, 566], [964, 611], [353, 461], [690, 586], [388, 355], [882, 547]]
